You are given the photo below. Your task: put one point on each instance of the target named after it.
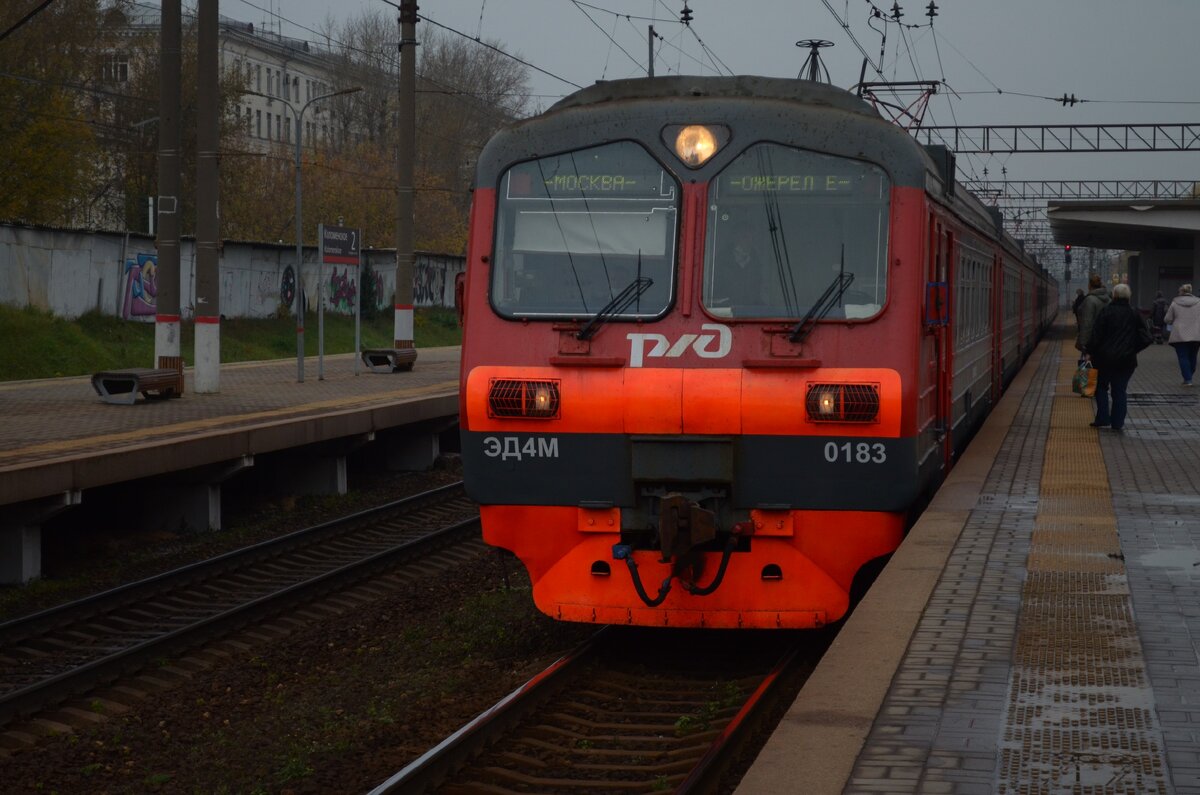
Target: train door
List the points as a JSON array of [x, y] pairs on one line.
[[996, 279], [1022, 318], [938, 334], [947, 276]]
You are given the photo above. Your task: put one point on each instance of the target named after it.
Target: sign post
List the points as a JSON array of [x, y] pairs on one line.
[[339, 246], [358, 312]]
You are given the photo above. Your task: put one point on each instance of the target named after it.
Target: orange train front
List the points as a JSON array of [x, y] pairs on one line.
[[721, 336]]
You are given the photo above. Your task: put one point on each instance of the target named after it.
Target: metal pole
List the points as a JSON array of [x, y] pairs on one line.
[[406, 142], [358, 309], [320, 302], [207, 371], [299, 300], [167, 312], [650, 58]]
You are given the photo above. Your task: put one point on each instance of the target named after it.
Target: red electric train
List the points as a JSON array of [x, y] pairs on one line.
[[722, 336]]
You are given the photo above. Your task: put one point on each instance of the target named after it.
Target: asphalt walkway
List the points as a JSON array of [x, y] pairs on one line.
[[62, 421]]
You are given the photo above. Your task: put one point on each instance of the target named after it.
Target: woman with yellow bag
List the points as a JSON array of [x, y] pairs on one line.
[[1083, 383], [1117, 335]]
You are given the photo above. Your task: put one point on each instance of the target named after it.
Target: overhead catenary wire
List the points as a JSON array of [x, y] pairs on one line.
[[20, 22], [77, 87], [384, 57], [846, 27], [704, 47], [612, 40], [482, 43], [714, 61], [879, 68], [664, 42]]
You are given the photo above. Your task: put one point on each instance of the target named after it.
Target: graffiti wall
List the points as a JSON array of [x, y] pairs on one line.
[[70, 272], [342, 290], [429, 282], [141, 288], [433, 277]]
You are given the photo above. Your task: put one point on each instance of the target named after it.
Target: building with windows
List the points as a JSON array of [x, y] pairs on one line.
[[280, 74]]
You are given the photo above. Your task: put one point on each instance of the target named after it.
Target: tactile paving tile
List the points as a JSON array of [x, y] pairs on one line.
[[1080, 715], [944, 726]]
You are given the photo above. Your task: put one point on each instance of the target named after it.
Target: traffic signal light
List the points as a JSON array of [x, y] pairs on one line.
[[1067, 253]]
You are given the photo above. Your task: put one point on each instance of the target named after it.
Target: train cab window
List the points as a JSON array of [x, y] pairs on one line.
[[575, 230], [785, 224]]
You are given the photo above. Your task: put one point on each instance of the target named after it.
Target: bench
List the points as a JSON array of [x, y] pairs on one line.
[[156, 383], [389, 360]]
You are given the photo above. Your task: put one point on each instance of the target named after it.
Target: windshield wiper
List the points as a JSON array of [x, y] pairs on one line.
[[620, 302], [828, 299]]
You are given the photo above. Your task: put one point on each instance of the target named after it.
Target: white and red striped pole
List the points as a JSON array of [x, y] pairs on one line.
[[207, 373], [406, 142], [403, 327], [166, 320]]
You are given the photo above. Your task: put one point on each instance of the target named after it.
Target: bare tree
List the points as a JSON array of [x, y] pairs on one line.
[[465, 93], [369, 58]]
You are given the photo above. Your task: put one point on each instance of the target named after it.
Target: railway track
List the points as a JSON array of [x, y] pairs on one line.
[[630, 711], [48, 657]]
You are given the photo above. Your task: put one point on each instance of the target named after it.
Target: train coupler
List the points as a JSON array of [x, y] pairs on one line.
[[683, 526]]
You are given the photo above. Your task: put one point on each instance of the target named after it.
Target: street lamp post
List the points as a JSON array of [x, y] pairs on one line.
[[299, 300], [299, 236]]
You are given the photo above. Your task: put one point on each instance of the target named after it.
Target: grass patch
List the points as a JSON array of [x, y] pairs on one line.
[[51, 347], [494, 625]]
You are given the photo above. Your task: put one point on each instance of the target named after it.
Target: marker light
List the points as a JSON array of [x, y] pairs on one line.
[[695, 144], [842, 402], [508, 397]]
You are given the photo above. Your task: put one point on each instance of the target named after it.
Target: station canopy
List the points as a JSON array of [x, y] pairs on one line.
[[1136, 225]]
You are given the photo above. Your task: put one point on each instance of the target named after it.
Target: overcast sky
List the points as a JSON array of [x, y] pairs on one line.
[[1108, 52]]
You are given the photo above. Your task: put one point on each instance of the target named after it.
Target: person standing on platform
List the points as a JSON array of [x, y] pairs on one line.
[[1096, 299], [1116, 337], [1079, 296], [1158, 316], [1183, 316]]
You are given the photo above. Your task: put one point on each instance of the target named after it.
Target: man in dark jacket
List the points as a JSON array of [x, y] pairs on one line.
[[1117, 335], [1096, 299], [1158, 315]]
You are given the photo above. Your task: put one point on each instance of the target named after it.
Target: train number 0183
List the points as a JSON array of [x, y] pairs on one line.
[[855, 453]]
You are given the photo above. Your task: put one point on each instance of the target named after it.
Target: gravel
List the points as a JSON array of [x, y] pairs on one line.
[[336, 705]]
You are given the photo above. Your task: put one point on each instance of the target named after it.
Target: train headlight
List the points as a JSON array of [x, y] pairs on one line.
[[826, 401], [696, 143], [842, 402], [526, 399]]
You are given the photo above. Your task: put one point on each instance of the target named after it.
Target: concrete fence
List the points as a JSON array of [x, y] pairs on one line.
[[71, 272]]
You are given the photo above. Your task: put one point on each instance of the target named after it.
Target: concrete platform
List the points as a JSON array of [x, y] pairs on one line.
[[58, 438], [1039, 629]]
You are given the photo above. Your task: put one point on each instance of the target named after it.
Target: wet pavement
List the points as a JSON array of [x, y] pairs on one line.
[[1057, 645]]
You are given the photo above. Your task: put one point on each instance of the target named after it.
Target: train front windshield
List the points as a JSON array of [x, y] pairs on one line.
[[575, 230], [785, 224]]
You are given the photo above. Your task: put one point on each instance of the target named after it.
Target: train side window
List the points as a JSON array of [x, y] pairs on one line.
[[574, 230], [784, 224]]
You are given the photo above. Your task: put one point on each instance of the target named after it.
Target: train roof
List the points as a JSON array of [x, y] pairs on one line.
[[738, 86], [792, 112]]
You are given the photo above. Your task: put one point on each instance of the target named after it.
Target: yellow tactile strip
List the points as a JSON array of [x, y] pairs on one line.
[[1080, 712]]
